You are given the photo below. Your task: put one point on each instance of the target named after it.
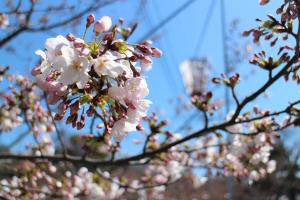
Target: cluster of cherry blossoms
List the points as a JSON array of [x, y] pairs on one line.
[[42, 182], [255, 165], [102, 73], [9, 117], [46, 181], [22, 105], [248, 154]]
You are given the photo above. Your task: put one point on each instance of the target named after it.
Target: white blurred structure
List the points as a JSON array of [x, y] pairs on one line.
[[195, 74]]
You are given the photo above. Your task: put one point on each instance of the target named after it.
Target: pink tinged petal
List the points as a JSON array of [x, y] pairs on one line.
[[53, 43], [79, 43], [107, 66], [52, 98], [146, 66], [69, 76], [113, 69], [60, 62], [117, 93], [127, 126], [41, 53], [103, 24], [135, 115], [137, 88], [85, 51], [156, 52], [85, 64], [144, 105], [84, 78], [130, 104], [121, 128], [54, 86], [45, 67], [70, 54]]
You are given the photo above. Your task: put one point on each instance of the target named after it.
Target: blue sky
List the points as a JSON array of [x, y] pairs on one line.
[[178, 41]]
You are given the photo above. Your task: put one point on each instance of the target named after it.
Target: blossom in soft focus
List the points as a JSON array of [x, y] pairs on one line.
[[102, 25], [241, 163], [234, 128], [3, 21], [9, 118], [46, 146], [175, 170], [140, 111], [121, 128], [271, 166]]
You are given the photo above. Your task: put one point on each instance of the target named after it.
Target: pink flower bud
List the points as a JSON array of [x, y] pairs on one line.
[[72, 119], [89, 20], [75, 107], [102, 25], [156, 52], [58, 117], [139, 127], [263, 2], [144, 49], [90, 112], [80, 125]]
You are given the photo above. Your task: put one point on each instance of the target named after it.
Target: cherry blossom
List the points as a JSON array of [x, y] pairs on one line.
[[103, 24], [106, 65], [74, 68], [131, 95]]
